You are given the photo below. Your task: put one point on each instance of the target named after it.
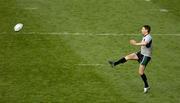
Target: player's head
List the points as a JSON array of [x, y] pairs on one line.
[[146, 29]]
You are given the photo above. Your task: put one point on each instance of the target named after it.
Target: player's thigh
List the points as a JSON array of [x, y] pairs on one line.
[[132, 56], [141, 69]]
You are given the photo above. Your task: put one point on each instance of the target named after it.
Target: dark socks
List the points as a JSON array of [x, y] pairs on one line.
[[122, 60], [144, 80]]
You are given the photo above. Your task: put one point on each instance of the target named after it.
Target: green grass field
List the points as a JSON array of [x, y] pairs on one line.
[[46, 62]]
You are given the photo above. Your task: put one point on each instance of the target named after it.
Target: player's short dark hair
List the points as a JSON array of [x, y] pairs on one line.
[[148, 28]]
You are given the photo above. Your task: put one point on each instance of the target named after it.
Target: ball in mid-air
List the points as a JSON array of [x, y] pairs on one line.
[[18, 27]]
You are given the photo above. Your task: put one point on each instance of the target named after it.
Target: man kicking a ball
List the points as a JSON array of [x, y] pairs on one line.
[[143, 56]]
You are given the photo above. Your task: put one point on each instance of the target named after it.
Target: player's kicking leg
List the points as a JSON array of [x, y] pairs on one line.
[[132, 56]]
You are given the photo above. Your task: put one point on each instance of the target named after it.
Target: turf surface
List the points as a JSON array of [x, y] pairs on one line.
[[42, 67]]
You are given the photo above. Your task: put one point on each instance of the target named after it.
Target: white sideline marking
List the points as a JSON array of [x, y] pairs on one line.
[[30, 8], [83, 34], [84, 64], [76, 34], [164, 10], [147, 0]]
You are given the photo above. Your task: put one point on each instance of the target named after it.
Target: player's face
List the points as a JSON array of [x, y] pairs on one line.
[[144, 31]]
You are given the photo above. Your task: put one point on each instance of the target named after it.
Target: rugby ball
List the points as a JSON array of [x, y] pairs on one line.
[[18, 27]]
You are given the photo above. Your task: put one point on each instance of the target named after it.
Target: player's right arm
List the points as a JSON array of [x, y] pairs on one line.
[[143, 43]]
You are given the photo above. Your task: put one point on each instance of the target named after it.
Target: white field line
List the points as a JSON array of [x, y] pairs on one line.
[[161, 10], [147, 0], [31, 8], [164, 10], [86, 64], [83, 34]]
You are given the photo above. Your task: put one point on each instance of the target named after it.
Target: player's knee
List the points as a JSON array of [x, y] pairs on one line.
[[141, 72], [126, 57]]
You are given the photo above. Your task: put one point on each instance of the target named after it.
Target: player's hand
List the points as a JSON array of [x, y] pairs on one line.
[[133, 42]]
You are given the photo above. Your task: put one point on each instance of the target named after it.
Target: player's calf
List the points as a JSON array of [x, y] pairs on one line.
[[120, 61]]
